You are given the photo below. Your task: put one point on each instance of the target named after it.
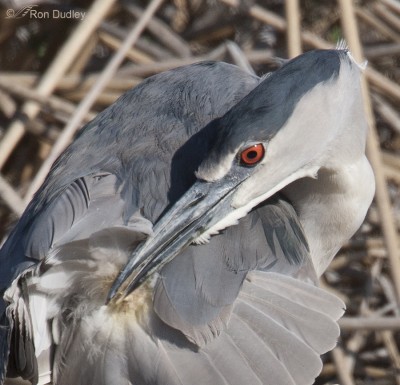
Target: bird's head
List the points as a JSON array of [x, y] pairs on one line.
[[301, 118]]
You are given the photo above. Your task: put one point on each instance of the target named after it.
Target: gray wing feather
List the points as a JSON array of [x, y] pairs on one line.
[[196, 290], [227, 352], [286, 240], [297, 318], [291, 351], [57, 219], [262, 360], [309, 296], [88, 205], [182, 301]]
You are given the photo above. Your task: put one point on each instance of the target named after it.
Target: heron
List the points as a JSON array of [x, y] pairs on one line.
[[180, 237]]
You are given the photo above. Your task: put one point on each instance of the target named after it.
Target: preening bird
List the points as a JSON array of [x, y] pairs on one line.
[[179, 239]]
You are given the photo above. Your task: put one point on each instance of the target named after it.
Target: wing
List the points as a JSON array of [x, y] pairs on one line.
[[278, 326], [196, 290]]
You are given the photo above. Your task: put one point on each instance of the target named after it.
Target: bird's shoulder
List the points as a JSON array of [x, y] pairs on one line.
[[131, 153]]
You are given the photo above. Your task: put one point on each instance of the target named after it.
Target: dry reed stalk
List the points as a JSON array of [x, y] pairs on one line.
[[65, 57], [292, 9]]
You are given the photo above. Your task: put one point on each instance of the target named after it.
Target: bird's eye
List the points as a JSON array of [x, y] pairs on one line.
[[252, 155]]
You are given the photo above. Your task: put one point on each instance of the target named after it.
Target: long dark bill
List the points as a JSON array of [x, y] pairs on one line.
[[201, 207]]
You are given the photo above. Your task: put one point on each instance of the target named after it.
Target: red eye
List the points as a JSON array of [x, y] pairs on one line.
[[252, 155]]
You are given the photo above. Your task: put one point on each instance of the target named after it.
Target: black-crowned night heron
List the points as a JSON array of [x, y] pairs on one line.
[[180, 237]]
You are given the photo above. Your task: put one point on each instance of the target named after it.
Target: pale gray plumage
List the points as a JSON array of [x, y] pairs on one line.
[[243, 307]]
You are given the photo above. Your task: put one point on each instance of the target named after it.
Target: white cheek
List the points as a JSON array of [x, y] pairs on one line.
[[218, 170]]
